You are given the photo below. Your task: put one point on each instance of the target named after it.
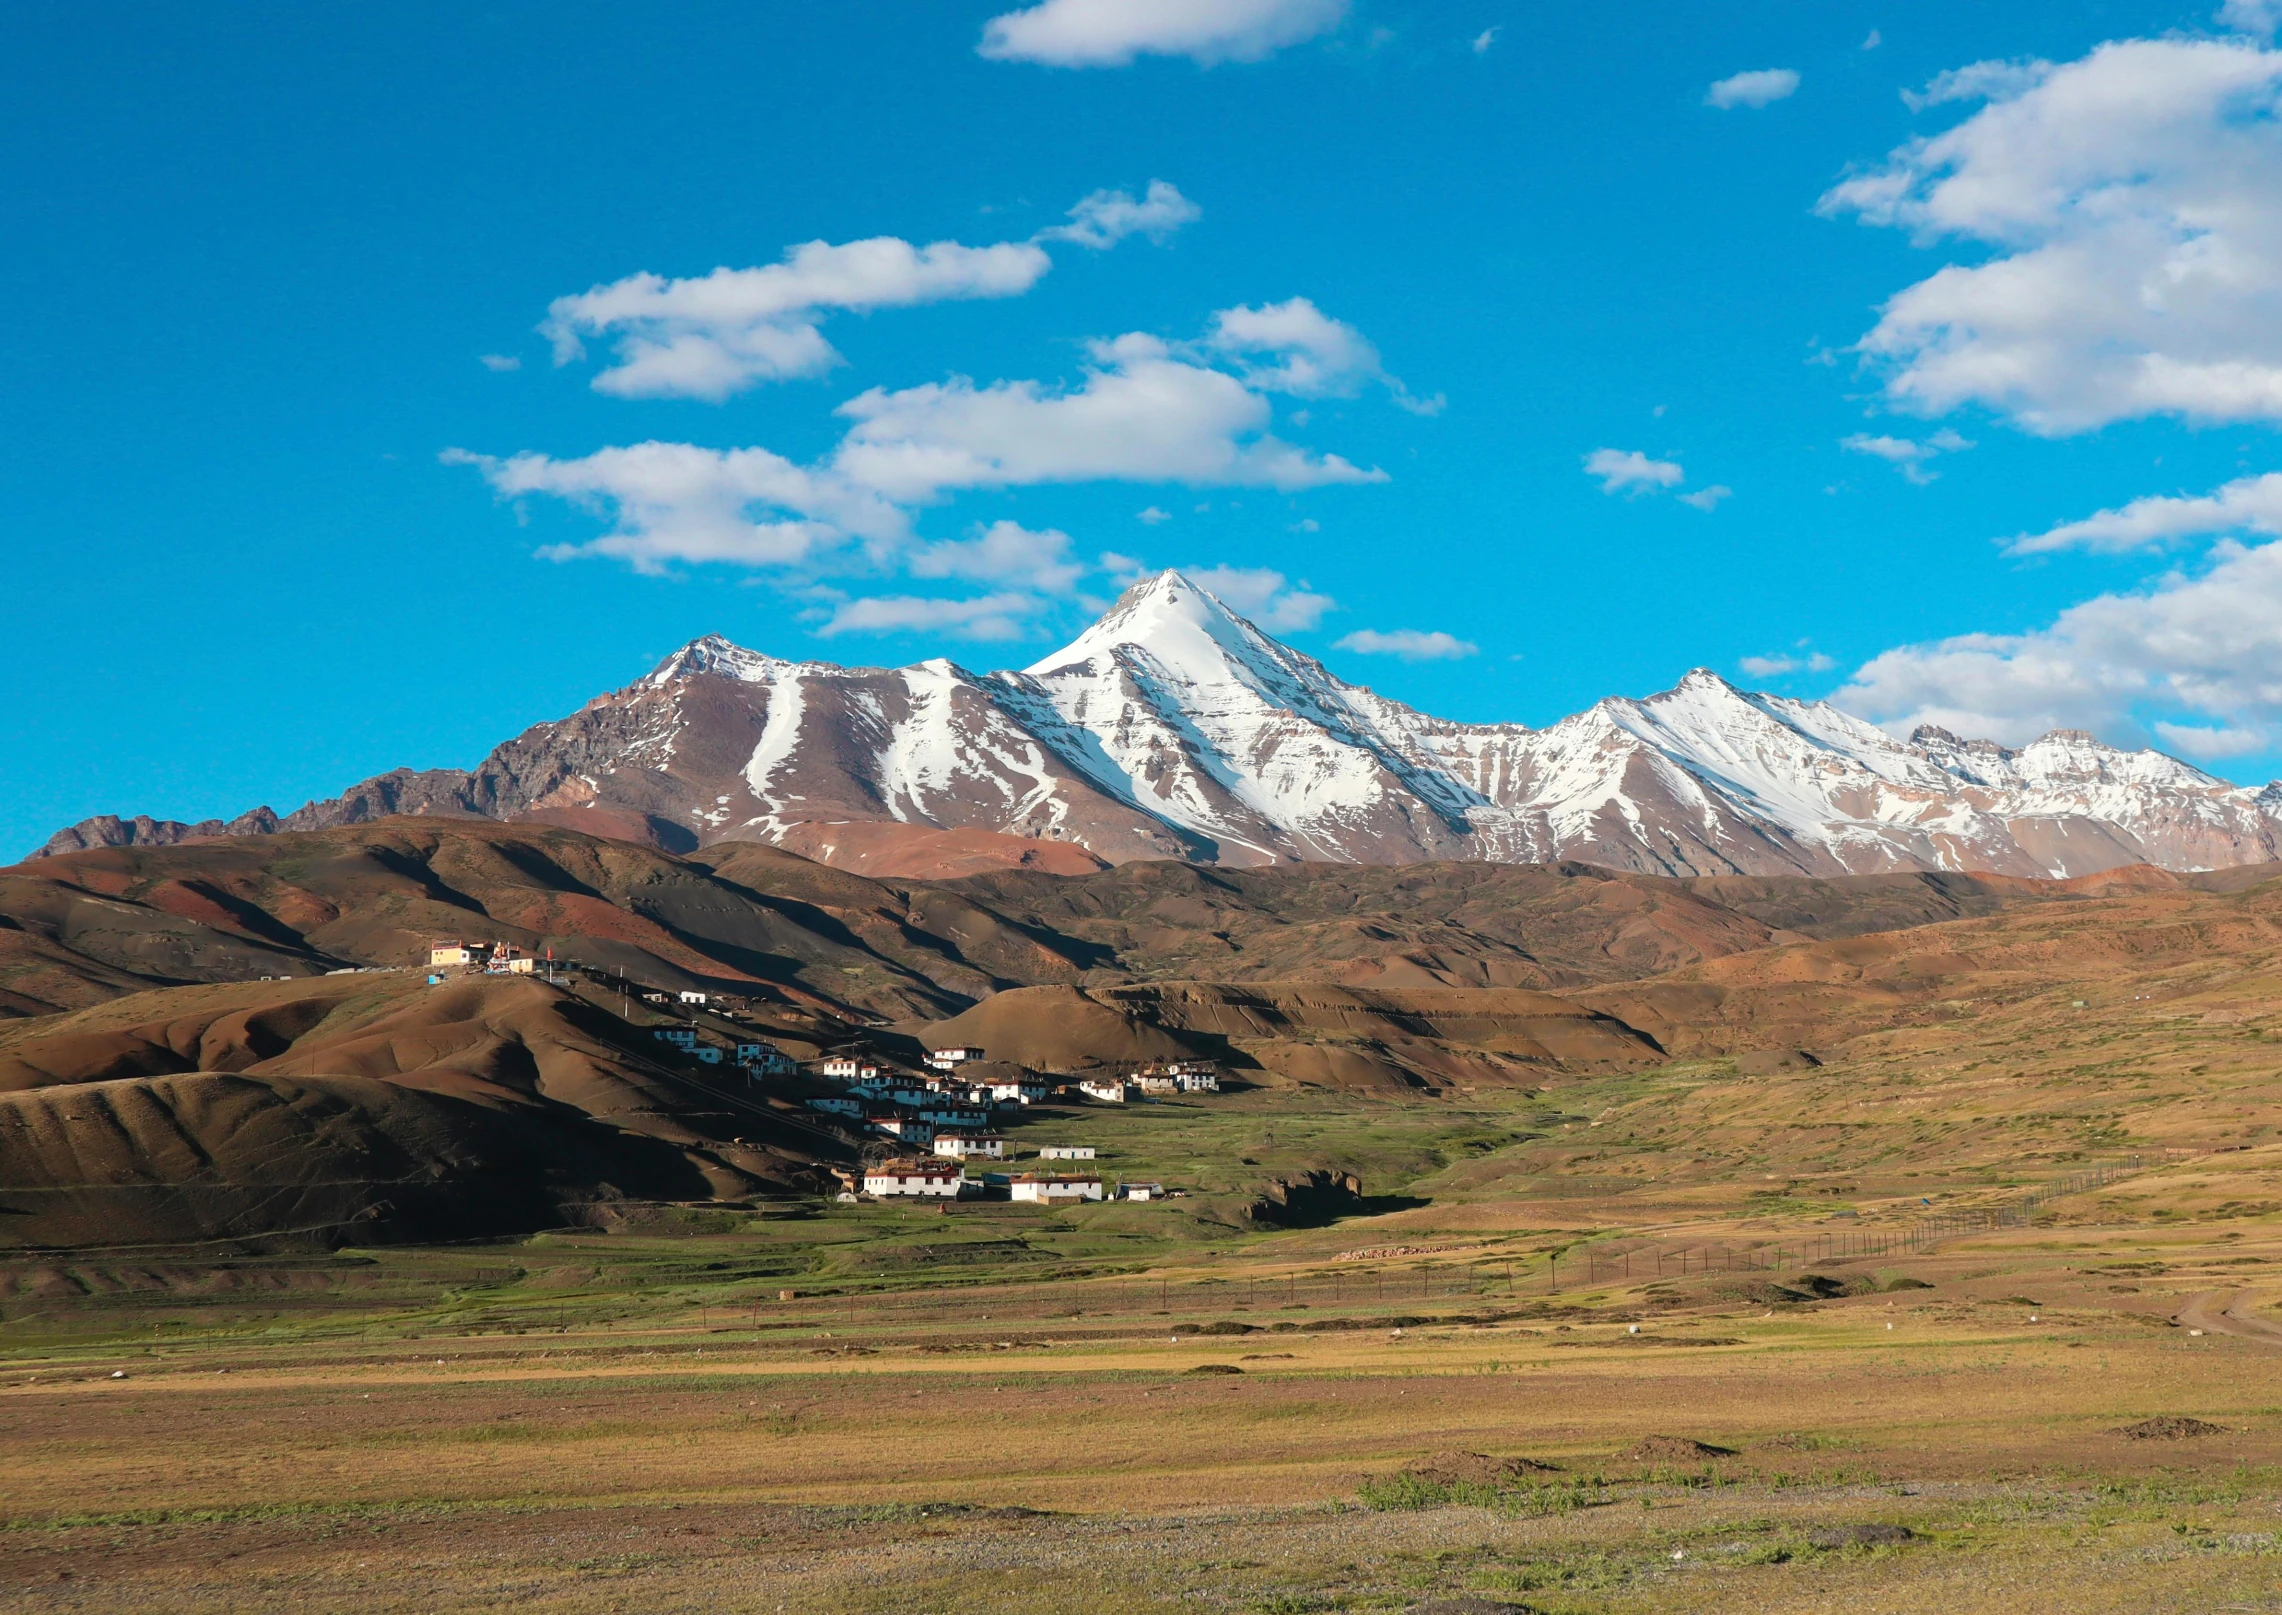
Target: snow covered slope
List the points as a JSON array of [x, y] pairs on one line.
[[1173, 728]]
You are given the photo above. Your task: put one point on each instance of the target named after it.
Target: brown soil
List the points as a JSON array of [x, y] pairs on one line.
[[2170, 1428], [1675, 1450], [1476, 1469]]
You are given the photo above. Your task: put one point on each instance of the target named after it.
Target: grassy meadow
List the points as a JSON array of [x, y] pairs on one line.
[[1659, 1287]]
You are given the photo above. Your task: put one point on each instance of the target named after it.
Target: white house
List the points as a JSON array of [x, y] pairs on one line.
[[945, 1059], [837, 1105], [1011, 1090], [1044, 1189], [899, 1124], [944, 1114], [699, 999], [961, 1146], [915, 1177], [1109, 1090], [847, 1068], [1066, 1152], [765, 1060], [1156, 1082], [681, 1037], [1140, 1191], [452, 953]]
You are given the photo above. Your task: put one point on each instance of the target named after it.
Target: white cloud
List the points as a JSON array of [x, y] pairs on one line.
[[1484, 40], [1631, 472], [1708, 498], [2125, 215], [1411, 644], [712, 335], [2210, 742], [677, 502], [1263, 595], [1317, 356], [2200, 652], [2246, 505], [994, 616], [1107, 217], [1123, 570], [2260, 17], [1904, 454], [1755, 89], [500, 362], [1153, 517], [1767, 667], [1111, 33], [1142, 415], [1873, 40], [716, 334], [1004, 552]]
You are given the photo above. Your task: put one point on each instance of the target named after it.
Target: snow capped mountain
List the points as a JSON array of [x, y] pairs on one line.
[[1173, 728]]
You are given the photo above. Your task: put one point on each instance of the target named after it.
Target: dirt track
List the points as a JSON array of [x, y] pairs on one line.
[[2221, 1312]]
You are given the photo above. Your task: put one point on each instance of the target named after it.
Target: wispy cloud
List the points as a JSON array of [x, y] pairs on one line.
[[2246, 505], [1907, 455], [1411, 644]]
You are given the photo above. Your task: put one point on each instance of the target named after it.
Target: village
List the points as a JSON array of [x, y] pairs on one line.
[[923, 1128]]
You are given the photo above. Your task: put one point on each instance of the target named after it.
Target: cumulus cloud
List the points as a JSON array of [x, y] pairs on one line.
[[1628, 471], [1484, 40], [677, 502], [2124, 215], [2199, 652], [712, 335], [716, 334], [2246, 505], [1760, 88], [1708, 498], [1294, 347], [1107, 217], [1904, 454], [993, 616], [1143, 414], [1151, 516], [1265, 596], [1004, 552], [500, 363], [1111, 33], [1411, 644]]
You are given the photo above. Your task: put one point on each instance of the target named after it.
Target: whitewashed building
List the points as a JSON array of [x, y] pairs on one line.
[[1042, 1188], [947, 1059], [1107, 1090], [1066, 1152], [966, 1146], [932, 1179]]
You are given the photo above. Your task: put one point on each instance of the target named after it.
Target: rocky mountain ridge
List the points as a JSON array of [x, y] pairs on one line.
[[1173, 728]]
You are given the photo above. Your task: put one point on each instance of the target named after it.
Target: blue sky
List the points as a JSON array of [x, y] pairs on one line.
[[1344, 302]]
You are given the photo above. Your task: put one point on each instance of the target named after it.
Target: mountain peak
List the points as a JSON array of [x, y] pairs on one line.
[[713, 653], [1168, 616]]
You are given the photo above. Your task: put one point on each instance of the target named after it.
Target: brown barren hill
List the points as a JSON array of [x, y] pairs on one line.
[[368, 1106]]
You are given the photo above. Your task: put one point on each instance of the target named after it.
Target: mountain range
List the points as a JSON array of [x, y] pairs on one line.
[[1172, 728]]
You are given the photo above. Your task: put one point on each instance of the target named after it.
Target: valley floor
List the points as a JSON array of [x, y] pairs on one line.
[[1070, 1446]]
